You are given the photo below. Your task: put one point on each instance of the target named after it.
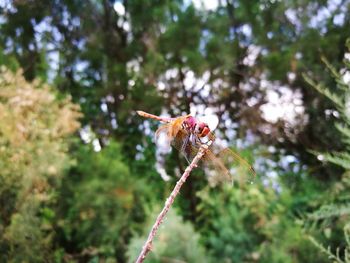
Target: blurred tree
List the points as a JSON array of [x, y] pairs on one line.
[[113, 57], [102, 204], [33, 155]]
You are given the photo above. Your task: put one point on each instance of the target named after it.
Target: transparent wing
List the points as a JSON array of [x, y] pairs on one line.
[[226, 165], [182, 142], [216, 169], [176, 136], [240, 170], [229, 164], [221, 165], [163, 129], [171, 128]]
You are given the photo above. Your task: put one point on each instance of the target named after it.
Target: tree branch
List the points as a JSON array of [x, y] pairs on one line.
[[148, 245]]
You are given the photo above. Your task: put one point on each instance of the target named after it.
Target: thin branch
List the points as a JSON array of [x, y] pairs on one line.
[[170, 200]]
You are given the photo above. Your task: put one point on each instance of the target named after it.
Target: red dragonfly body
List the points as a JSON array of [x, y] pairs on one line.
[[187, 134]]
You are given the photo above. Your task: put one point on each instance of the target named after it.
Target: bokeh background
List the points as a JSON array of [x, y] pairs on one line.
[[81, 176]]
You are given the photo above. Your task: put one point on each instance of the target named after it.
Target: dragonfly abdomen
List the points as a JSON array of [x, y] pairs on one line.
[[152, 116]]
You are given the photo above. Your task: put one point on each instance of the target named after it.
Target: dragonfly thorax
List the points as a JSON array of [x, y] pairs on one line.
[[189, 123]]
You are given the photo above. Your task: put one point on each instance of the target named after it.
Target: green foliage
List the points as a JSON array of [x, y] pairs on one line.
[[176, 241], [102, 205], [33, 156], [252, 225], [340, 97], [8, 61], [333, 215], [337, 256], [338, 199]]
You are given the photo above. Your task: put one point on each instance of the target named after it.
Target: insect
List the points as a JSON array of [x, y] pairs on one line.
[[187, 135]]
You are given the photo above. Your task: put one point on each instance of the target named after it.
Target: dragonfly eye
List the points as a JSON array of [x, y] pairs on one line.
[[205, 131], [202, 129]]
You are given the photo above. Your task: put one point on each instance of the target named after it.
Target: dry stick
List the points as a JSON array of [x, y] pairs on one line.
[[148, 245]]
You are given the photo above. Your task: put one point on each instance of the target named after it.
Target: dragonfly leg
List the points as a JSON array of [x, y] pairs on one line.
[[194, 139], [183, 147], [199, 141]]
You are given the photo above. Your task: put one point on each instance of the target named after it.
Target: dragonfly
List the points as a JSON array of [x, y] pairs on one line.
[[187, 134]]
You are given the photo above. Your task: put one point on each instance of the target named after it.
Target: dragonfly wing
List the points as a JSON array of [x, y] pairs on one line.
[[172, 127], [227, 165], [162, 134], [164, 128], [217, 170], [240, 169], [182, 142], [179, 137]]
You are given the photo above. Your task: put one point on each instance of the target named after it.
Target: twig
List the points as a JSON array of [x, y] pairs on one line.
[[170, 200]]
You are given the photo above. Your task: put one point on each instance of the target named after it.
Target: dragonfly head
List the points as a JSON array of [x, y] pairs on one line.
[[202, 129]]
